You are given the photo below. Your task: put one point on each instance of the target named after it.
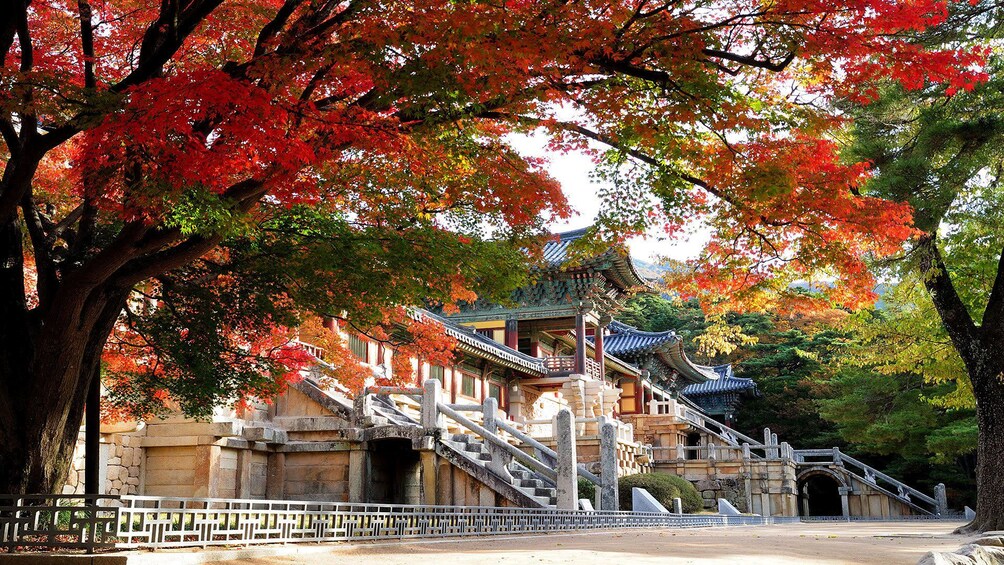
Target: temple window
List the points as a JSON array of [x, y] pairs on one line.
[[467, 385], [437, 372], [359, 348]]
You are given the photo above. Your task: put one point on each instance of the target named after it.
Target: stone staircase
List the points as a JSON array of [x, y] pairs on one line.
[[534, 486]]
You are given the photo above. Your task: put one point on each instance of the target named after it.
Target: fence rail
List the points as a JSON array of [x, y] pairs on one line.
[[162, 522]]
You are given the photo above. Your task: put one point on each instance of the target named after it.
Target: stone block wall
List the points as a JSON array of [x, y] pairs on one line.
[[121, 471]]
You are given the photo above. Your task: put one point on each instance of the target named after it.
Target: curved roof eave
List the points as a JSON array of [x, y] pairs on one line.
[[675, 357]]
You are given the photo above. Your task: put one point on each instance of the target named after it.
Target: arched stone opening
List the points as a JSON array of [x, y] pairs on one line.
[[819, 494], [395, 472]]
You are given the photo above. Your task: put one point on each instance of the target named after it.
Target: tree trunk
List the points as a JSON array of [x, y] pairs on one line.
[[46, 396], [989, 392], [981, 348]]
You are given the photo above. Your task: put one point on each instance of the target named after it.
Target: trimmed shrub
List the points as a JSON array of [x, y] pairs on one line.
[[664, 487], [587, 490]]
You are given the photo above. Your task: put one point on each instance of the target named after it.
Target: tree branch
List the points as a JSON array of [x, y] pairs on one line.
[[993, 315], [952, 311], [751, 61], [45, 266]]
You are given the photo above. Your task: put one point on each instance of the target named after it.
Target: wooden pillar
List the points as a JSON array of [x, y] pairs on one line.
[[638, 406], [512, 333], [598, 347], [580, 344], [454, 385]]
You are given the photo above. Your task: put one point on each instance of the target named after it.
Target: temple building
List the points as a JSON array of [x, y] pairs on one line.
[[722, 397], [486, 430]]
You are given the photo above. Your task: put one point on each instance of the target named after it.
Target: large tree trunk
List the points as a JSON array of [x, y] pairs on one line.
[[989, 392], [981, 348], [44, 387]]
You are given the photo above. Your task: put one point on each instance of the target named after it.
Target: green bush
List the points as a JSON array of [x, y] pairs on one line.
[[587, 490], [663, 487]]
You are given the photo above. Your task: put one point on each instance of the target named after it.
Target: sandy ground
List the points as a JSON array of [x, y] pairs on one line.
[[885, 543]]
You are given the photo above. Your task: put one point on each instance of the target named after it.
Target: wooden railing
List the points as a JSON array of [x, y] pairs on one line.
[[565, 364]]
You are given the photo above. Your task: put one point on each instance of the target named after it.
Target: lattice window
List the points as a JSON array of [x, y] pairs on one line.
[[437, 372], [467, 385], [359, 348]]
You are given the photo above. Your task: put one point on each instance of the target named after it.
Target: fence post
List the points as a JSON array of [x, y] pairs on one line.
[[746, 452], [836, 457], [785, 450], [712, 454], [432, 396], [567, 465], [500, 459], [608, 466], [940, 500], [681, 453]]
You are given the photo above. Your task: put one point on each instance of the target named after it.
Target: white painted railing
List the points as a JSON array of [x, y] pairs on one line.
[[870, 475], [162, 522], [667, 408], [543, 428]]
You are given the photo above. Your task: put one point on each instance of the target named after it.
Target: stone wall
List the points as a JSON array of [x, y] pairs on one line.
[[121, 458]]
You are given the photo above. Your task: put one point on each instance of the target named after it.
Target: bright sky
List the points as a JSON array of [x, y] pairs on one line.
[[572, 171]]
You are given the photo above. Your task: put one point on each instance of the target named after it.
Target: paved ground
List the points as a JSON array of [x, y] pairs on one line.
[[885, 543]]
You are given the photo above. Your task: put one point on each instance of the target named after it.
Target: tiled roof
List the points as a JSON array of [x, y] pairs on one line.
[[720, 386], [617, 267], [724, 371], [626, 341], [556, 250], [477, 344]]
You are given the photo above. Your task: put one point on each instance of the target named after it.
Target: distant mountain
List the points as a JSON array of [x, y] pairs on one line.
[[648, 270]]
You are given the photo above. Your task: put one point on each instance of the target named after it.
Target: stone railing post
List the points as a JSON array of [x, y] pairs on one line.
[[432, 419], [836, 457], [608, 466], [746, 452], [785, 450], [712, 452], [363, 405], [940, 500], [567, 465], [653, 407], [681, 452], [500, 458]]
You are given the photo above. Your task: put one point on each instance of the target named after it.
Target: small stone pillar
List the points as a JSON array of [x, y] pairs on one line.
[[845, 508], [432, 419], [517, 410], [567, 465], [678, 505], [608, 466], [500, 458], [357, 474], [940, 500]]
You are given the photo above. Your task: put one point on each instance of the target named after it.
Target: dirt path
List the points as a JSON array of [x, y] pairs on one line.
[[885, 543]]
